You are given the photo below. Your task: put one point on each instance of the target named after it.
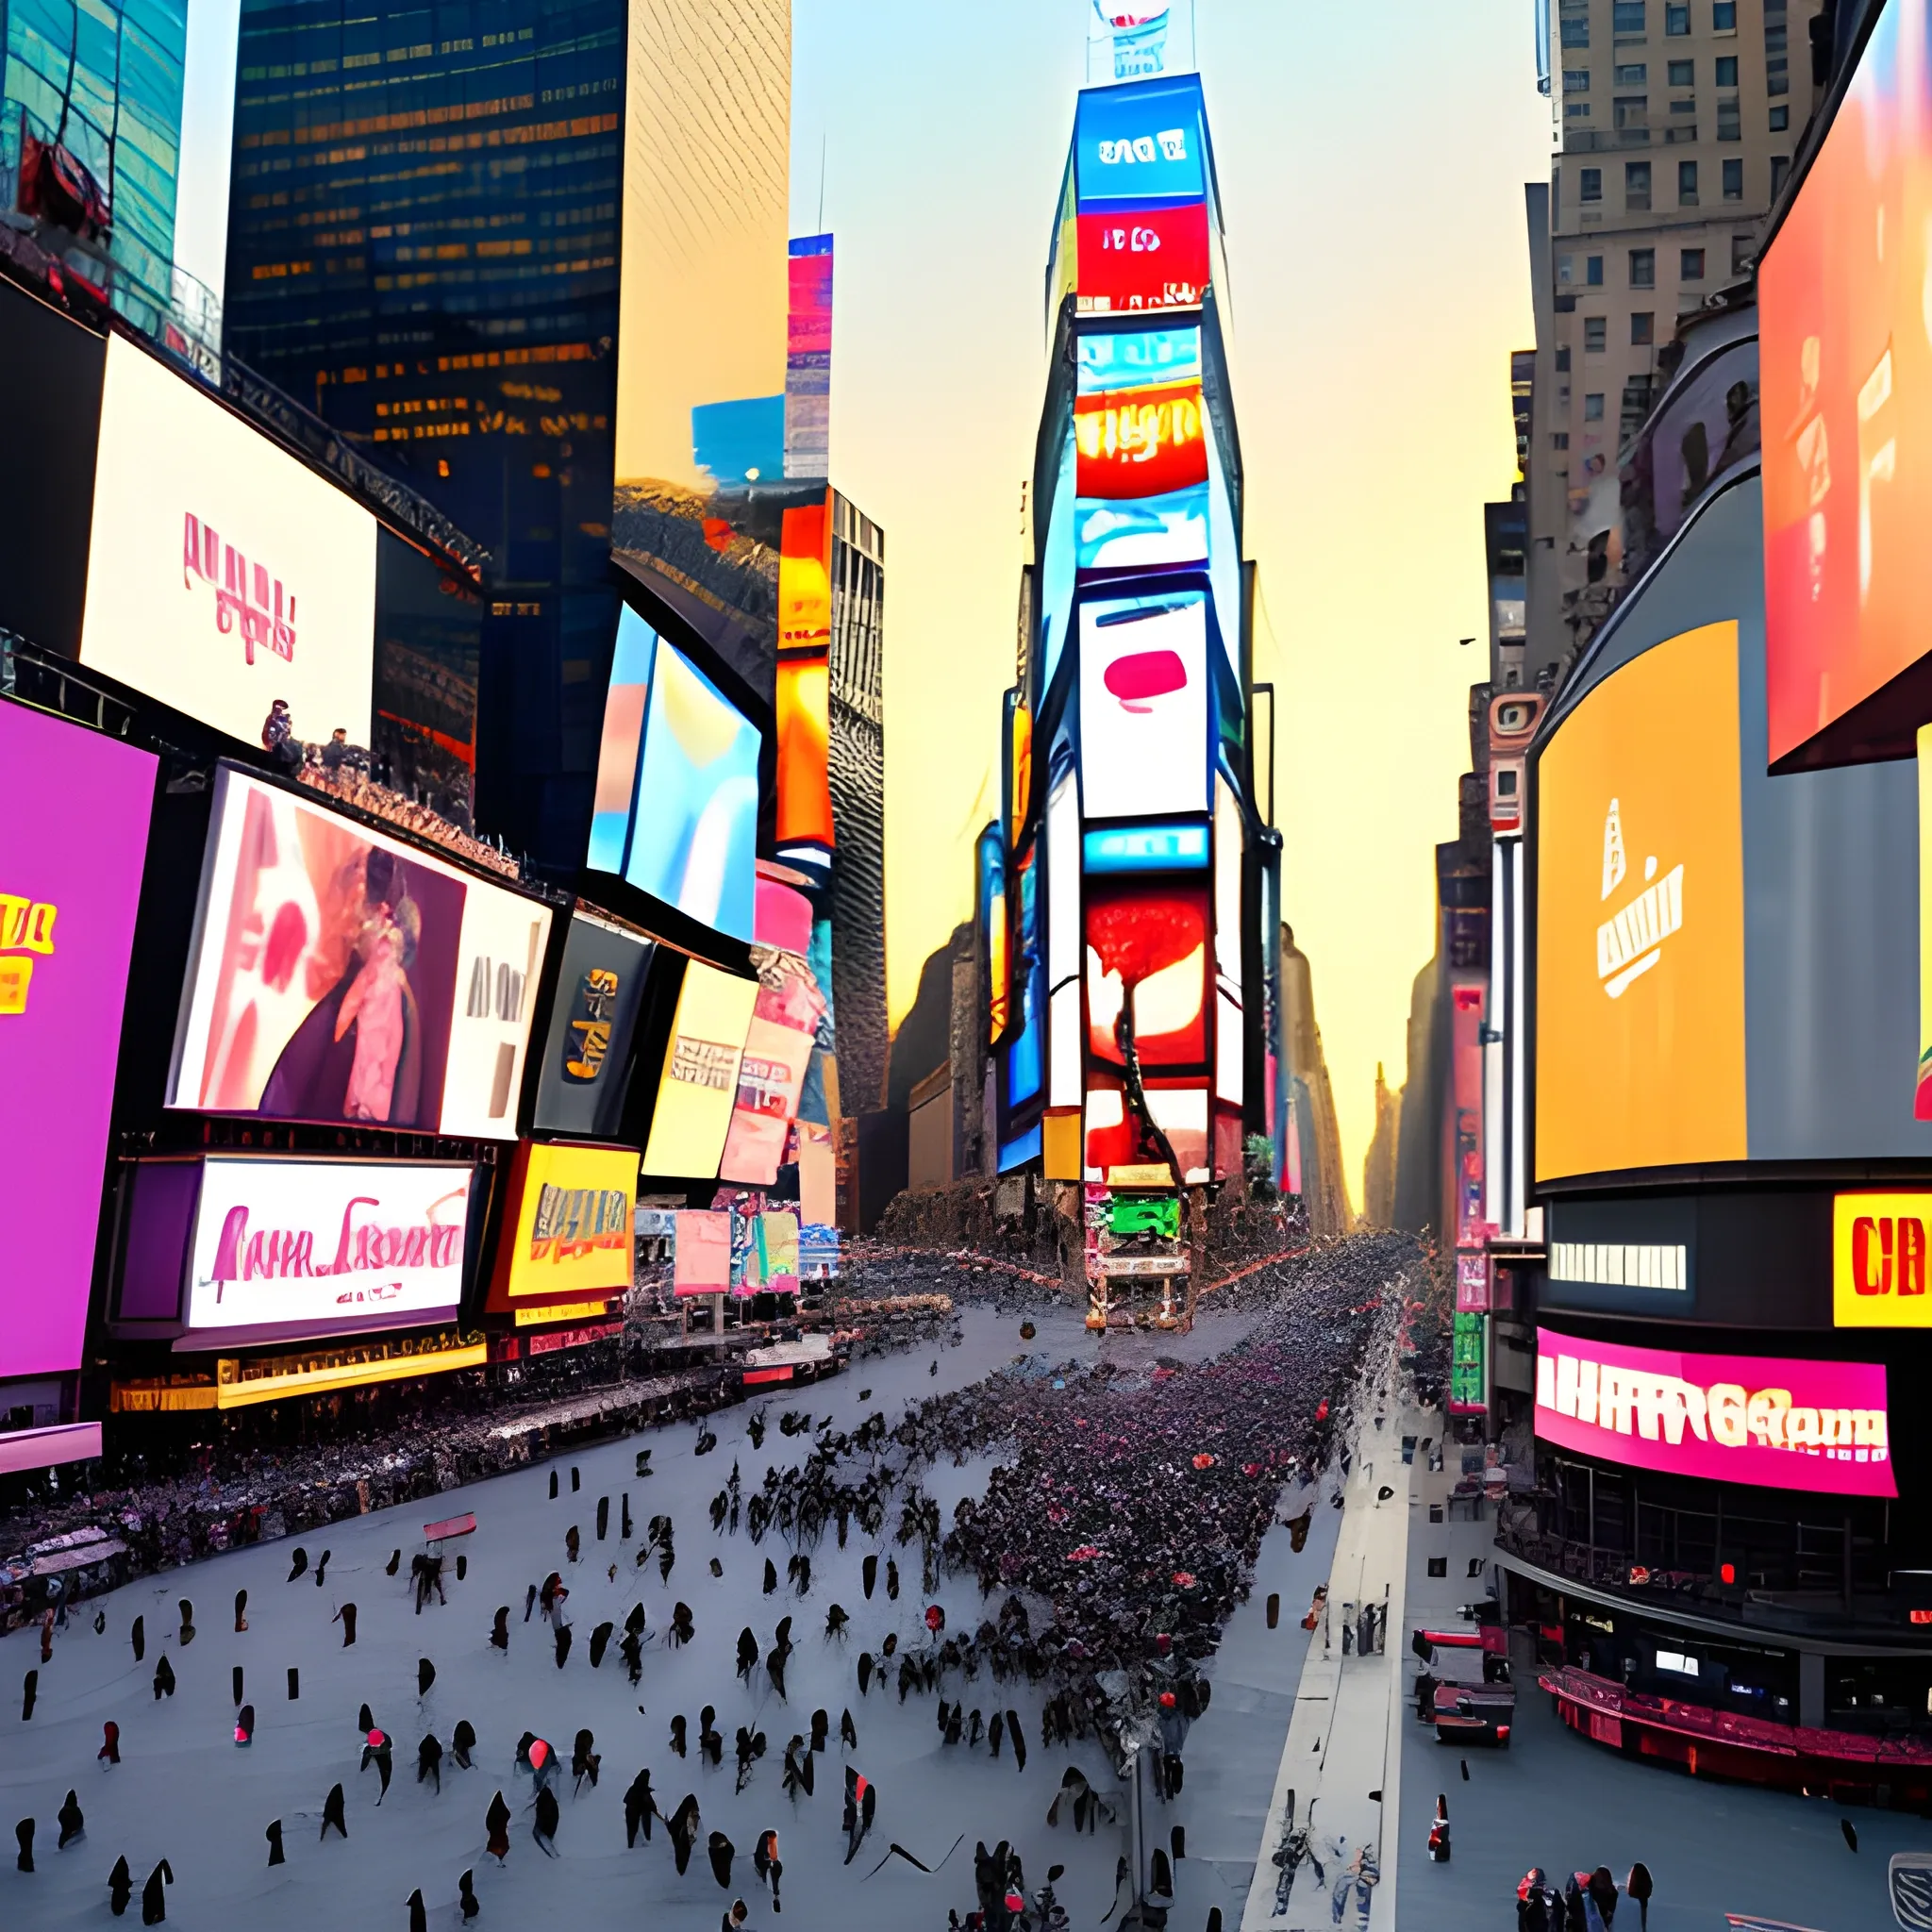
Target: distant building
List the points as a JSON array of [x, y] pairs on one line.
[[424, 249], [1378, 1168], [1323, 1188]]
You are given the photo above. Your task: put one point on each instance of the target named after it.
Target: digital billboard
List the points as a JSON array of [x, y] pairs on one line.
[[804, 835], [224, 574], [569, 1229], [771, 1077], [75, 807], [1139, 425], [285, 1247], [1145, 141], [338, 975], [991, 853], [587, 1051], [1145, 258], [1143, 706], [1640, 987], [1147, 949], [698, 1085], [1778, 1423], [676, 810], [1846, 373], [1130, 40], [1880, 1258], [808, 356]]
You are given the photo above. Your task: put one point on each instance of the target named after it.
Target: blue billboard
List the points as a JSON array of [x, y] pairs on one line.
[[1143, 143]]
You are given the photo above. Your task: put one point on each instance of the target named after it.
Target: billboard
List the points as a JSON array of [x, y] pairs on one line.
[[339, 975], [75, 807], [808, 356], [1143, 706], [1847, 411], [224, 574], [1782, 1424], [1143, 143], [587, 1050], [676, 810], [1140, 426], [1130, 40], [571, 1227], [286, 1248], [1147, 956], [698, 1086], [805, 835], [771, 1077], [1878, 1260], [1142, 259], [1640, 996]]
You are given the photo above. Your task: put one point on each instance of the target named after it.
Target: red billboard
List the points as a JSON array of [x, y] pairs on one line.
[[1140, 441], [1156, 258]]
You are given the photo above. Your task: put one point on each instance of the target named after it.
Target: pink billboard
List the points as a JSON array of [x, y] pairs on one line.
[[74, 817], [1780, 1423]]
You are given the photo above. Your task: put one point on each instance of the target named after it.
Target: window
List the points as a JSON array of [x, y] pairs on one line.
[[1780, 119], [1632, 75], [1633, 117], [1691, 265], [1566, 265], [1723, 17], [1594, 408], [1626, 16], [1687, 184], [1576, 32], [1590, 184], [1636, 185], [1777, 76], [1563, 359], [1576, 111], [1595, 335], [1734, 180], [1683, 74], [1642, 330], [1730, 124], [1593, 271], [1740, 254], [1727, 71], [1577, 81], [1780, 167], [1676, 21], [1559, 439], [1643, 268]]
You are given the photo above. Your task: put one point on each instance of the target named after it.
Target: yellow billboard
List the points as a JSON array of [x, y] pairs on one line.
[[699, 1084], [1878, 1260], [574, 1209], [1639, 917]]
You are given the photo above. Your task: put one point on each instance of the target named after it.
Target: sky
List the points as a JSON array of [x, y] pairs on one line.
[[1371, 161]]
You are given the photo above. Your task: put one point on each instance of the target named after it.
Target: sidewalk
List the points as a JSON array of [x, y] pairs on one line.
[[1340, 1769]]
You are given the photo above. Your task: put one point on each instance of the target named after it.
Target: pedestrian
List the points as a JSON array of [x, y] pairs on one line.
[[334, 1812], [1638, 1886], [1439, 1831], [154, 1902], [496, 1825], [549, 1814]]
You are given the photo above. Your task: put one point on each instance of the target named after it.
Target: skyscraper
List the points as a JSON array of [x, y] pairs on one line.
[[422, 247]]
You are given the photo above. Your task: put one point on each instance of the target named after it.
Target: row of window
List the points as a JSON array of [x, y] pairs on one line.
[[1642, 264], [1637, 74], [1637, 182], [1630, 18]]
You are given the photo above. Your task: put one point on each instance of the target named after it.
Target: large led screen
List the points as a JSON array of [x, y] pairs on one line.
[[1141, 143], [338, 975], [698, 1086], [223, 573], [1147, 951], [1146, 259], [587, 1050], [1640, 941], [1143, 706], [570, 1230], [1778, 1423], [1846, 370], [73, 805], [284, 1248], [676, 802], [1140, 426]]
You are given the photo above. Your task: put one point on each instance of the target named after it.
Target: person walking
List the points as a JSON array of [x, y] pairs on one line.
[[1439, 1831]]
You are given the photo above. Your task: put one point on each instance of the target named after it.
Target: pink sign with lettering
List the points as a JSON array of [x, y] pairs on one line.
[[1780, 1423]]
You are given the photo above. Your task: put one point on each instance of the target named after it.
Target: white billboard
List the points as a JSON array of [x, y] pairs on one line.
[[322, 1245], [339, 975], [1143, 706], [223, 573]]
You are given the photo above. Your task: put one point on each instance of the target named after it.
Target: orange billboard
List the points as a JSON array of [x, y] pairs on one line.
[[1639, 921]]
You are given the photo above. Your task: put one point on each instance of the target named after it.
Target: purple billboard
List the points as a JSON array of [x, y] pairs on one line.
[[75, 808]]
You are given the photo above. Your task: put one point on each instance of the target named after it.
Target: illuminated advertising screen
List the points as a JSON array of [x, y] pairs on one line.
[[1142, 533], [1025, 1040], [698, 1086], [1146, 848], [587, 1049], [222, 572], [770, 1078], [1114, 1149], [571, 1227], [1780, 1424], [804, 688], [284, 1248], [1130, 40], [1143, 706], [1141, 143], [991, 854], [1140, 426], [75, 807], [700, 1252], [1639, 981], [1846, 373], [1145, 258], [338, 975], [1147, 954], [1879, 1260], [676, 802]]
